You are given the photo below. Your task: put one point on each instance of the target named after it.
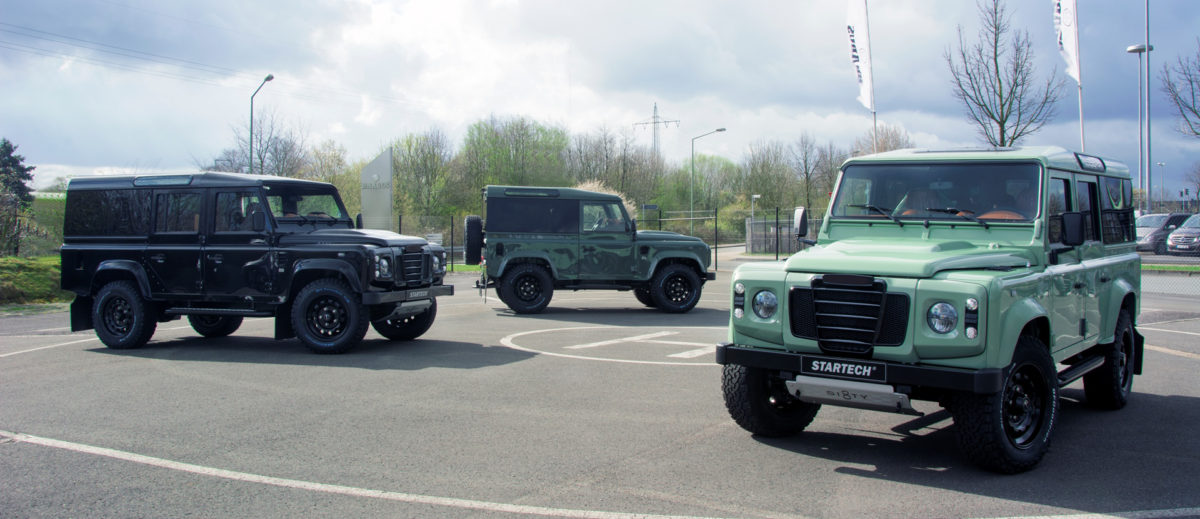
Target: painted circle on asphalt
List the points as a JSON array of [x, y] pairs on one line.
[[661, 345]]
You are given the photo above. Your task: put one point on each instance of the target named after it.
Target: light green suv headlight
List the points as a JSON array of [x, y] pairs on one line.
[[765, 304], [942, 318]]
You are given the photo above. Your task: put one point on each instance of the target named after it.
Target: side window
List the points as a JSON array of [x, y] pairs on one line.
[[177, 212], [1116, 210], [1087, 206], [603, 217], [233, 211], [1058, 201], [118, 212], [532, 215]]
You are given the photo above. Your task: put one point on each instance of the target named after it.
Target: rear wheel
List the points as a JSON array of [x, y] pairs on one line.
[[122, 317], [407, 328], [760, 403], [1108, 386], [526, 288], [1009, 431], [215, 325]]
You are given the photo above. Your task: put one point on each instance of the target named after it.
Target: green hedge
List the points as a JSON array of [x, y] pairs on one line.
[[31, 280]]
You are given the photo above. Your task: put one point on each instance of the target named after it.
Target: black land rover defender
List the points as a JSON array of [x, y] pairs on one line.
[[217, 247]]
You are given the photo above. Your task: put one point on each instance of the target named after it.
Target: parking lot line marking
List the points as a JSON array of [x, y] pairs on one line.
[[691, 354], [679, 343], [1166, 330], [1177, 353], [510, 342], [403, 497], [618, 341], [1141, 514], [11, 353]]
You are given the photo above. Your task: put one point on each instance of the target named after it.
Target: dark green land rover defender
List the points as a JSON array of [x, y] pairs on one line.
[[984, 280], [539, 239]]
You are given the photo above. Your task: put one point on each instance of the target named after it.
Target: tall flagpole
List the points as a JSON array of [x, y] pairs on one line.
[[1079, 63], [871, 67], [1066, 21], [859, 30]]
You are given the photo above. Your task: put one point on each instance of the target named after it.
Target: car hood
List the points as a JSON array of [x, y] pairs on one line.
[[1189, 231], [907, 258], [352, 236], [664, 236]]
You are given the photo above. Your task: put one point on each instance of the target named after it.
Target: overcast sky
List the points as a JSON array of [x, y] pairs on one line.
[[107, 85]]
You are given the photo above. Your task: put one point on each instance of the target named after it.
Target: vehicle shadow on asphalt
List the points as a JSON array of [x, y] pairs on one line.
[[375, 354], [1142, 457], [631, 316]]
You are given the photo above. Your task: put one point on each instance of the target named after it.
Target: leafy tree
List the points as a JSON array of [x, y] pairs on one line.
[[422, 164], [1181, 82], [994, 79], [15, 176]]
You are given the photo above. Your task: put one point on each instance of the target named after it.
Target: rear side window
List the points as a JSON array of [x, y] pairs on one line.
[[116, 212], [533, 215], [1116, 210], [177, 212]]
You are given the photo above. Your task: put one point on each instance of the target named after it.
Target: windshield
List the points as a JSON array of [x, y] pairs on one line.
[[1151, 220], [939, 191], [304, 203], [1193, 221]]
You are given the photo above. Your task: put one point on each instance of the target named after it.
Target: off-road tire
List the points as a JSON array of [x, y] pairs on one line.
[[643, 296], [675, 288], [407, 328], [328, 316], [1009, 432], [760, 403], [122, 318], [526, 288], [473, 245], [1108, 386], [215, 325]]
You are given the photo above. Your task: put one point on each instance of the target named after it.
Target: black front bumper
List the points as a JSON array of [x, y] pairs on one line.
[[412, 294], [982, 381]]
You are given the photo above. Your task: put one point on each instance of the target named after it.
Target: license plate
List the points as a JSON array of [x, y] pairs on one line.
[[843, 368], [414, 294]]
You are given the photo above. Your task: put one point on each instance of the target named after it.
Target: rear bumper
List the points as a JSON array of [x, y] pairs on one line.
[[982, 381]]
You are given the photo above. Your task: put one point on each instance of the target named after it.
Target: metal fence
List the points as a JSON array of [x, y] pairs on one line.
[[770, 232], [446, 231]]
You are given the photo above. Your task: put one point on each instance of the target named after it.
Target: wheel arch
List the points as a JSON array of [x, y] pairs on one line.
[[1035, 322], [661, 262], [118, 270], [539, 260], [311, 269]]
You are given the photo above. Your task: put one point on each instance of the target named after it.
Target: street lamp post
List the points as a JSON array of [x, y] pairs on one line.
[[251, 148], [692, 184], [752, 199], [1143, 175], [1162, 185]]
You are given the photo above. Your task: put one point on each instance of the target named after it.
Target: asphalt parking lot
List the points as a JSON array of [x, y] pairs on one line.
[[596, 408]]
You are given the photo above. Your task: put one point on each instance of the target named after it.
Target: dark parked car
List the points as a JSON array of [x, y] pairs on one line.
[[218, 247], [1152, 230], [1185, 239]]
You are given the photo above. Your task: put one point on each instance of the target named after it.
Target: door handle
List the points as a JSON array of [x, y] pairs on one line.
[[159, 258], [1078, 285], [1104, 279], [216, 258], [589, 249]]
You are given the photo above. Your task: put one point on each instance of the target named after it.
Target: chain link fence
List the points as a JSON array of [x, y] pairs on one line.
[[446, 231]]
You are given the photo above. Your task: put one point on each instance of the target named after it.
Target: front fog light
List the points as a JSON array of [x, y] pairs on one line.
[[738, 313], [942, 317], [739, 289], [765, 304]]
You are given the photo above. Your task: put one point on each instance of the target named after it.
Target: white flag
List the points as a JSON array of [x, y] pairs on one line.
[[860, 50], [1067, 24]]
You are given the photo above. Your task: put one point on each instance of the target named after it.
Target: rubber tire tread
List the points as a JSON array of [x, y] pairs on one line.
[[1102, 386], [643, 296], [979, 419], [746, 398], [143, 325], [225, 326], [506, 288], [416, 327], [354, 332], [658, 288], [473, 244]]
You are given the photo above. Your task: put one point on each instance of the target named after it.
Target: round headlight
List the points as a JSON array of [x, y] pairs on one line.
[[765, 304], [437, 263], [385, 266], [942, 317]]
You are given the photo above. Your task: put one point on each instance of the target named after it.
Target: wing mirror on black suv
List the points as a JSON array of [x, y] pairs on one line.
[[258, 221]]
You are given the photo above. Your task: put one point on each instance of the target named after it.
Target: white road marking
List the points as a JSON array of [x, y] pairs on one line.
[[403, 497], [691, 354], [635, 338], [1141, 514], [510, 341], [1166, 330], [11, 353], [1177, 353]]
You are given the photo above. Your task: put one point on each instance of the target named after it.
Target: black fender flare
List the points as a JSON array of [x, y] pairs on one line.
[[130, 267], [342, 267]]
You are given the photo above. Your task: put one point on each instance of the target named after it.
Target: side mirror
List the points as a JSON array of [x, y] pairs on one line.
[[1072, 229], [800, 223], [358, 221], [258, 221], [633, 226]]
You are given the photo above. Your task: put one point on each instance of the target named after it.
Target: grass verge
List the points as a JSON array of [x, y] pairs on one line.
[[26, 281]]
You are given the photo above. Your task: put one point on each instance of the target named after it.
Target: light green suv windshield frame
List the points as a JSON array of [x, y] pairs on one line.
[[931, 191]]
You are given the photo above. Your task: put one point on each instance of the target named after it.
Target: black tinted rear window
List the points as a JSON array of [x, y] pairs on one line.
[[118, 212], [533, 215]]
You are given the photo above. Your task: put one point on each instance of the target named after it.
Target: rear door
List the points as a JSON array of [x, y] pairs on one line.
[[173, 256]]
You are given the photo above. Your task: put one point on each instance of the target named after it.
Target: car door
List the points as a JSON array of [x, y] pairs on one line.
[[237, 259], [1064, 276], [173, 255], [605, 242], [1092, 252]]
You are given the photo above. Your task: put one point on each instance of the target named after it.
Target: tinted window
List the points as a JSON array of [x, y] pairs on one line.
[[233, 211], [1116, 210], [177, 212], [119, 212], [1058, 202], [533, 215], [1087, 206]]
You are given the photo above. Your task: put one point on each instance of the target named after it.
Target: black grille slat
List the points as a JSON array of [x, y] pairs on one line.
[[849, 318], [413, 267]]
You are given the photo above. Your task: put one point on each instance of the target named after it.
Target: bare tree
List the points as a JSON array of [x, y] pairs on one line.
[[1181, 82], [890, 137], [994, 79], [806, 163], [278, 149]]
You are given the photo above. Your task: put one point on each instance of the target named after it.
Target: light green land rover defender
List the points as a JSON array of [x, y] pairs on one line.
[[984, 280], [539, 239]]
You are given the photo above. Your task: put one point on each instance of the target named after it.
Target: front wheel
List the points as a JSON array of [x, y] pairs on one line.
[[760, 403], [1108, 386], [675, 288], [1009, 432], [215, 325], [328, 316], [122, 317], [526, 288], [407, 328]]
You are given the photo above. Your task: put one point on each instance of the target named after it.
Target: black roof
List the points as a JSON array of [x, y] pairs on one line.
[[199, 179]]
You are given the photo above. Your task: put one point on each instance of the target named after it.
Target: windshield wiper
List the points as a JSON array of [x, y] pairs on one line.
[[966, 214], [881, 210]]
